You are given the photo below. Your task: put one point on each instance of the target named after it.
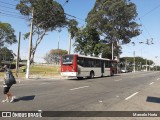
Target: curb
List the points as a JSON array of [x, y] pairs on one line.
[[38, 78]]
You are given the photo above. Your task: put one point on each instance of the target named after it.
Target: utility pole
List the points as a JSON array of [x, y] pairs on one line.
[[69, 47], [156, 60], [112, 50], [58, 54], [17, 61], [149, 65], [126, 64], [134, 61], [146, 65], [118, 58], [30, 46]]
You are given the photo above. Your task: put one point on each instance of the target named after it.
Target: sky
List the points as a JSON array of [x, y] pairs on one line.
[[148, 17]]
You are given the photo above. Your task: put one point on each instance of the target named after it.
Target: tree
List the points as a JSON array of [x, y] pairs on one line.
[[139, 62], [72, 29], [87, 42], [7, 35], [47, 16], [6, 54], [54, 55], [114, 19]]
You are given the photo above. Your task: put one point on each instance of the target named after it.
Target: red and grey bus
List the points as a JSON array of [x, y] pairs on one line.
[[80, 66]]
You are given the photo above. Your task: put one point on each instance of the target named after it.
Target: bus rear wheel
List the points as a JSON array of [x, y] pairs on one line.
[[112, 74], [91, 75], [79, 78]]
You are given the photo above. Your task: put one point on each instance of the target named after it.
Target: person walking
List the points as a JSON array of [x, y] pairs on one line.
[[7, 85]]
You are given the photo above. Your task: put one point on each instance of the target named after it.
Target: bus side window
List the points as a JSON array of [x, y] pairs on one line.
[[110, 64], [80, 61], [98, 63], [86, 62], [106, 64], [92, 62]]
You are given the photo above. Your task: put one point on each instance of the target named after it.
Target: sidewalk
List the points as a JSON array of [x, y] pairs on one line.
[[38, 77]]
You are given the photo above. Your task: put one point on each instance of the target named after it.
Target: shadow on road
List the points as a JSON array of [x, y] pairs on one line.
[[153, 99], [85, 78], [24, 98]]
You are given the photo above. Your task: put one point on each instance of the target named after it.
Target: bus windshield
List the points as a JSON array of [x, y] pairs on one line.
[[67, 59]]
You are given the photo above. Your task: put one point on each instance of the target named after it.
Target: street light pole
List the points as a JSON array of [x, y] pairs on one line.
[[17, 61], [30, 46]]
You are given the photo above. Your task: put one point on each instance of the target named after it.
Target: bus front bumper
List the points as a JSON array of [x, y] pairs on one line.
[[69, 74]]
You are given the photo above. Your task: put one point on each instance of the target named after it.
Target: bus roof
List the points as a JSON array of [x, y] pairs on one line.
[[91, 57]]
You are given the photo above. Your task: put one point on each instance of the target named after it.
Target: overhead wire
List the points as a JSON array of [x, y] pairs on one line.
[[11, 15], [65, 2], [150, 11], [7, 3], [9, 11], [145, 28], [7, 7]]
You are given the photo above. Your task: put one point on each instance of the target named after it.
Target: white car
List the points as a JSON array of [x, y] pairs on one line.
[[124, 71]]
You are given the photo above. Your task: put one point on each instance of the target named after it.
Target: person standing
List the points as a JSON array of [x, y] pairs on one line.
[[7, 85]]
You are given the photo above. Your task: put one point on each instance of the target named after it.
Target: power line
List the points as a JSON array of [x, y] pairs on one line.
[[78, 22], [24, 18], [75, 17], [14, 16], [7, 7], [147, 40], [8, 3], [144, 16], [145, 28], [9, 11], [150, 11], [65, 3], [71, 15]]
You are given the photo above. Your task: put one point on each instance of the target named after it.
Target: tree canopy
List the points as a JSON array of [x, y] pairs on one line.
[[54, 55], [47, 15], [6, 54], [7, 34], [72, 27], [115, 21], [87, 41], [139, 62]]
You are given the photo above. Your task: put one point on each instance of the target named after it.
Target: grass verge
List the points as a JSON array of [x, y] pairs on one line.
[[37, 71]]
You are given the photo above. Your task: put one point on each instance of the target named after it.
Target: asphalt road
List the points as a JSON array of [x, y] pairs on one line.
[[99, 94]]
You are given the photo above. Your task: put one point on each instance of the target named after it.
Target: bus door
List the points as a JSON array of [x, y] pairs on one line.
[[102, 67]]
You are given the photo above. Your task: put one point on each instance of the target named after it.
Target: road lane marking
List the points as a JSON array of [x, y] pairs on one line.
[[44, 83], [117, 80], [79, 88], [100, 101], [158, 79], [131, 96], [20, 84], [151, 83]]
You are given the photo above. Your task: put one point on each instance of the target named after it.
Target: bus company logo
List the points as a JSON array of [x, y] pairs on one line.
[[6, 114]]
